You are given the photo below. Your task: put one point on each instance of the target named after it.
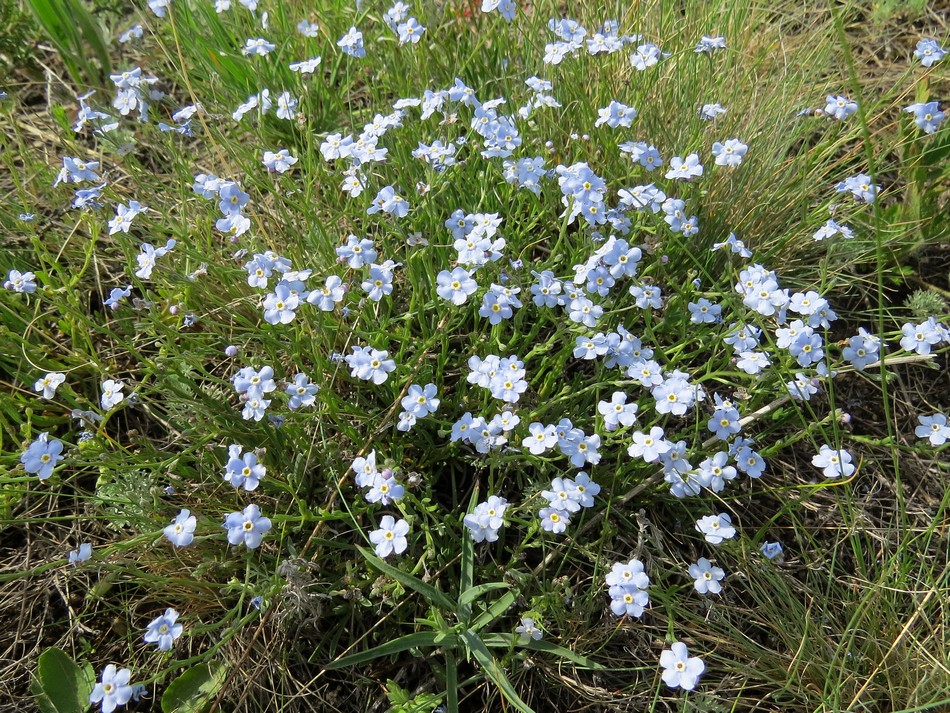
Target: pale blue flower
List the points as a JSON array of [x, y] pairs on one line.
[[685, 169], [528, 631], [421, 401], [927, 116], [834, 463], [247, 528], [181, 532], [370, 364], [840, 107], [352, 43], [111, 394], [48, 384], [617, 412], [716, 528], [934, 428], [307, 66], [279, 162], [113, 690], [680, 670], [486, 519], [708, 112], [708, 578], [928, 52], [286, 108], [390, 537], [301, 392], [81, 555], [455, 286], [258, 46], [729, 153], [163, 630], [554, 520], [20, 282], [242, 469]]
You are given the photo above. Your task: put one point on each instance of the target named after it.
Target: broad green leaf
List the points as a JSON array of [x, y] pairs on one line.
[[473, 593], [493, 670], [74, 32], [61, 685], [507, 641], [467, 576], [403, 643], [193, 690], [494, 611], [431, 594]]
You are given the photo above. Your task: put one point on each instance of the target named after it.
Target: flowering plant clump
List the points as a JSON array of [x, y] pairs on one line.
[[523, 323]]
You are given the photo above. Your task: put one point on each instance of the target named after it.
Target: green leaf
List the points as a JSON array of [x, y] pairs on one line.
[[74, 32], [495, 611], [473, 593], [466, 579], [431, 594], [193, 690], [493, 670], [61, 686], [403, 643], [507, 641]]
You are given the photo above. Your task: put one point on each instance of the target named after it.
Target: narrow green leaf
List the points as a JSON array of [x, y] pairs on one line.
[[431, 594], [507, 641], [193, 690], [493, 671], [473, 593], [494, 611], [403, 643], [61, 685]]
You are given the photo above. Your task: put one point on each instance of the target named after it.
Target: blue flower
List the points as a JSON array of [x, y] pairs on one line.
[[20, 282], [370, 364], [934, 428], [163, 630], [860, 186], [840, 107], [487, 519], [628, 585], [685, 169], [42, 455], [729, 153], [455, 286], [181, 532], [379, 282], [111, 394], [247, 528], [928, 52], [279, 162], [716, 528], [390, 537], [352, 43], [243, 470], [113, 690], [708, 112], [834, 463], [707, 576], [301, 392], [280, 305], [258, 46], [48, 384], [927, 115], [528, 631], [81, 555], [680, 670], [421, 401]]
